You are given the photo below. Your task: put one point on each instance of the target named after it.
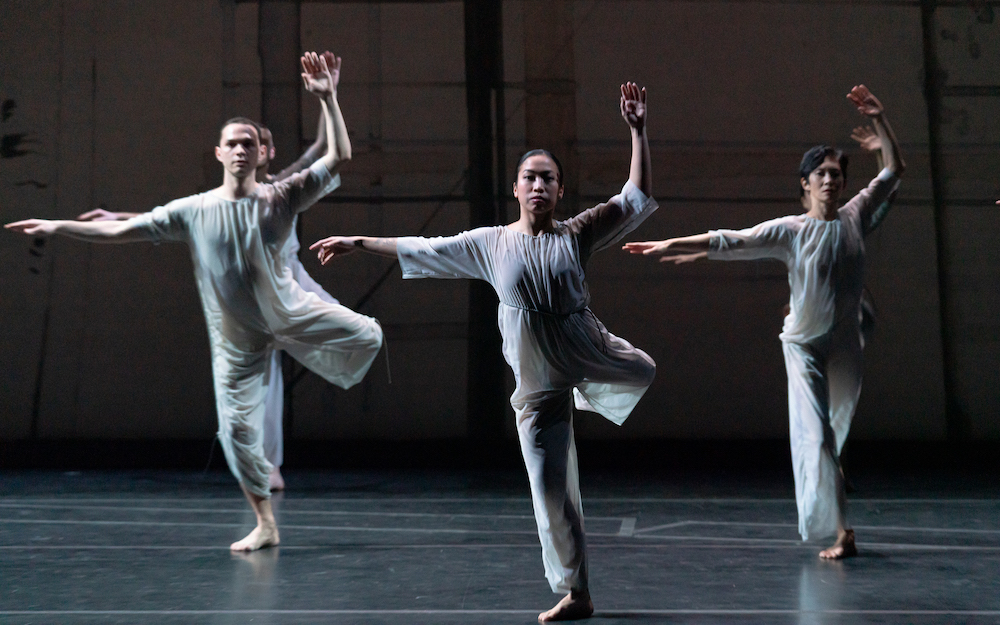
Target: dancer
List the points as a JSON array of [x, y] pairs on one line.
[[274, 402], [821, 339], [251, 302], [553, 342]]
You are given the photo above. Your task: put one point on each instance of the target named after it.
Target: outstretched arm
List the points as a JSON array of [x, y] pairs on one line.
[[318, 147], [90, 231], [100, 214], [678, 250], [318, 77], [870, 106], [633, 107], [339, 246]]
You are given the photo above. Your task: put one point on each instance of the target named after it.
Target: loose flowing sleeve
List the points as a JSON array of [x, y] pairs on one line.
[[605, 224], [165, 223], [771, 239], [872, 203], [299, 191], [465, 255]]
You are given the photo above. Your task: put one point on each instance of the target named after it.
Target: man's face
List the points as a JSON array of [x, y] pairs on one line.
[[826, 182], [239, 150]]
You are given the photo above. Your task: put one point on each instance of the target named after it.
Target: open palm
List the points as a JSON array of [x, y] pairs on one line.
[[633, 105], [866, 101], [320, 73]]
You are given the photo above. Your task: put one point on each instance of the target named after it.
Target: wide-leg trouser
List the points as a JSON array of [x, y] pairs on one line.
[[274, 403], [824, 384], [338, 344], [545, 431], [274, 412]]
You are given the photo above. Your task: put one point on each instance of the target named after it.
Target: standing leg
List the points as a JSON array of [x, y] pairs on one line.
[[545, 431], [815, 461], [274, 411], [266, 532], [844, 369], [240, 387]]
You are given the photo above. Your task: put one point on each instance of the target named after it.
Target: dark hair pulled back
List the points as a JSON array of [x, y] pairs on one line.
[[541, 152], [815, 156]]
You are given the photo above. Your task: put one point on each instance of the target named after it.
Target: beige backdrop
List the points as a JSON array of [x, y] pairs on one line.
[[118, 104]]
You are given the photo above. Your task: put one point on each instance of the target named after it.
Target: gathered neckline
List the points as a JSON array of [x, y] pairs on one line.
[[557, 228]]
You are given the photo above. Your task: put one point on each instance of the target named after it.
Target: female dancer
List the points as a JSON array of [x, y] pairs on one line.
[[821, 339], [553, 342]]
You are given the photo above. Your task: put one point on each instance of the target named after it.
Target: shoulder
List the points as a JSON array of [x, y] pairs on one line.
[[788, 222], [188, 204]]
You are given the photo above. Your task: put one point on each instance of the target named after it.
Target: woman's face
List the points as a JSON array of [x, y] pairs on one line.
[[538, 187], [826, 182]]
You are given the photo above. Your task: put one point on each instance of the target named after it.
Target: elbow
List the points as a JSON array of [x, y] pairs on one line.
[[340, 157], [899, 167], [118, 229]]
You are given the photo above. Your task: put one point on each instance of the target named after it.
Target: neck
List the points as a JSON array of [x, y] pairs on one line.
[[234, 188], [826, 211], [261, 174], [533, 223]]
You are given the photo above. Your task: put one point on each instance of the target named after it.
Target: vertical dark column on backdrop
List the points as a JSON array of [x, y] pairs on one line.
[[955, 418], [550, 91], [279, 48], [486, 388]]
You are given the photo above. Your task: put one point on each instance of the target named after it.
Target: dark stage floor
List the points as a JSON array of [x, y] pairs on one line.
[[460, 547]]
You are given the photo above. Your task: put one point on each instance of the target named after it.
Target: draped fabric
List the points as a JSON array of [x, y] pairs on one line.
[[821, 337], [556, 347], [253, 305]]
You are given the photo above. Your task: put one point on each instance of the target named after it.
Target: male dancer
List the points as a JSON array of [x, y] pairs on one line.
[[251, 302], [274, 402]]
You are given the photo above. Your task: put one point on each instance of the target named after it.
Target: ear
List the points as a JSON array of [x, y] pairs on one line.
[[562, 190], [805, 183], [218, 154], [515, 189]]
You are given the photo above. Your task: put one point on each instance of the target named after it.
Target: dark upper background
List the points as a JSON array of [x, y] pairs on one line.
[[118, 104]]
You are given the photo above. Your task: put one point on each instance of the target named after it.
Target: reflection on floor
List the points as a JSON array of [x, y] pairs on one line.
[[460, 547]]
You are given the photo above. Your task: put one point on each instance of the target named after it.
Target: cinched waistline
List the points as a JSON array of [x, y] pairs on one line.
[[544, 312], [585, 309]]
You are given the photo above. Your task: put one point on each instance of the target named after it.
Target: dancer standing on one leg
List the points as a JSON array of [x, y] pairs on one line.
[[251, 302], [551, 339], [825, 254], [274, 402]]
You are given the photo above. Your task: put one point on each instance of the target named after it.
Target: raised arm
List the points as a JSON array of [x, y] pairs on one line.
[[340, 246], [869, 106], [318, 147], [633, 106], [869, 141], [90, 231], [318, 77]]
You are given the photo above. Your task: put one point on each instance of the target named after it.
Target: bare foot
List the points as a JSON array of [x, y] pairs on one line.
[[575, 605], [275, 481], [262, 536], [843, 548]]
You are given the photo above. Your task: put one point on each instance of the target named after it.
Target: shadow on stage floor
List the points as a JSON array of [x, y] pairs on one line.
[[695, 544]]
